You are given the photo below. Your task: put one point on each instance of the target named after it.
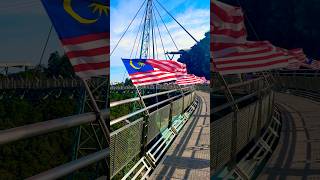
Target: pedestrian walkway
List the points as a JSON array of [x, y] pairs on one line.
[[297, 156], [189, 155]]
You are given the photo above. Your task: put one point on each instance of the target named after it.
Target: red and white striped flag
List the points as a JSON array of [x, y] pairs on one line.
[[169, 65], [179, 69], [189, 79], [228, 31], [298, 58], [142, 73], [89, 55], [151, 77], [231, 53]]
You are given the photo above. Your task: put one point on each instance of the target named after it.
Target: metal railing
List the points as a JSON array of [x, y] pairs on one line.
[[242, 123], [252, 162], [15, 83], [42, 128], [132, 140], [47, 83], [231, 133], [307, 80]]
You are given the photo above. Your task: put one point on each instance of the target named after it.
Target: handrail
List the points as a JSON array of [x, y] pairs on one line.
[[236, 85], [229, 104], [27, 131], [72, 166], [147, 132], [122, 118], [117, 103]]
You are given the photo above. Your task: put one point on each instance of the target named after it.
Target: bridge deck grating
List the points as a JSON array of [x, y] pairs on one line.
[[297, 155]]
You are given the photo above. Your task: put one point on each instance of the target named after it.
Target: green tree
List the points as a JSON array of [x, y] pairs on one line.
[[197, 58], [128, 82], [59, 65]]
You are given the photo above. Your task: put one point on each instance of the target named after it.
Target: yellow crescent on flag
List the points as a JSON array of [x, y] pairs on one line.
[[68, 8], [135, 67]]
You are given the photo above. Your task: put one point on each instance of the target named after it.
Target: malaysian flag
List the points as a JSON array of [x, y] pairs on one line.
[[179, 69], [142, 73], [169, 65], [189, 79], [205, 81], [298, 58], [83, 28], [231, 52]]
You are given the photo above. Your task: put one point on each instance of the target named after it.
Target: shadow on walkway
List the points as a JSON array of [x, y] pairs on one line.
[[189, 155]]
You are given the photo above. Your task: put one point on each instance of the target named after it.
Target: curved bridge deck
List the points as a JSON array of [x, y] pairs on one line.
[[189, 155], [297, 155]]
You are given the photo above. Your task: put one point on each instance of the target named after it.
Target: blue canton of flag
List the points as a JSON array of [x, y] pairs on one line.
[[136, 66], [73, 18], [83, 28], [142, 73]]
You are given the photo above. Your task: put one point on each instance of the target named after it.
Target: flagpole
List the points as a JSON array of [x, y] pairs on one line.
[[101, 121], [181, 90], [141, 100]]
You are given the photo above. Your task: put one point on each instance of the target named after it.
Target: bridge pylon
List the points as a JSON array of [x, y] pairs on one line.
[[90, 138]]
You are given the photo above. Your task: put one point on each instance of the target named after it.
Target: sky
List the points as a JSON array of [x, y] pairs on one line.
[[194, 15], [24, 26]]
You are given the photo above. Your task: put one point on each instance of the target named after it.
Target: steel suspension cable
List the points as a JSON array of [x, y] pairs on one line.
[[155, 37], [135, 40], [133, 47], [45, 45], [128, 27], [139, 43], [176, 21], [155, 17], [152, 31], [166, 27]]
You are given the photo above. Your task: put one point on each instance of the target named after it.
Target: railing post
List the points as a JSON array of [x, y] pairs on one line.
[[270, 104], [145, 125], [233, 155], [260, 98], [170, 115], [144, 134], [183, 96]]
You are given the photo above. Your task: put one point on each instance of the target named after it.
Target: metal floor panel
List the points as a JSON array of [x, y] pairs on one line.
[[297, 155]]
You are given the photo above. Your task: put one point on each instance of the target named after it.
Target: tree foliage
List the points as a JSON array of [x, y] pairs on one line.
[[28, 157], [59, 65], [197, 58]]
